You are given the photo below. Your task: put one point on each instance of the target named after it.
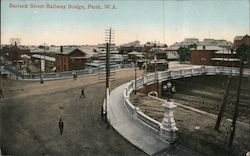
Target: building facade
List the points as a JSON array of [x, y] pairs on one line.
[[215, 56], [70, 59], [241, 40], [201, 56]]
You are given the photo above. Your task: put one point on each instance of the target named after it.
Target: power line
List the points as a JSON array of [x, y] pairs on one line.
[[163, 7]]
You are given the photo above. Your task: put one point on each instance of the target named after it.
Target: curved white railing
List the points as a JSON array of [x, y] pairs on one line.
[[168, 75]]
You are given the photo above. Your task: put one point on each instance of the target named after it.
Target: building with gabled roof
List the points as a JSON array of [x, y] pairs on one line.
[[70, 58], [240, 40], [214, 55]]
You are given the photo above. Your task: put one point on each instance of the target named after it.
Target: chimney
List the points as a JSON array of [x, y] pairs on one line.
[[61, 49], [204, 47]]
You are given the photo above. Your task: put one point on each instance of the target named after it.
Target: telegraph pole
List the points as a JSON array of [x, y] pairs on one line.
[[109, 37], [135, 74], [236, 108], [16, 53], [155, 70], [15, 41], [42, 61], [107, 66], [222, 108]]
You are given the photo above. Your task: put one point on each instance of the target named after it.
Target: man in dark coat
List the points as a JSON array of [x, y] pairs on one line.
[[1, 93], [61, 126], [82, 94]]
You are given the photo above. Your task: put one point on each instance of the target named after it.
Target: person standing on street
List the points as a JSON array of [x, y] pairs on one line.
[[1, 93], [74, 75], [61, 126], [82, 94]]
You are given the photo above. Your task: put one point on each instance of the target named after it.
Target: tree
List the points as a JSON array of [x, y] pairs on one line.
[[243, 53], [184, 54]]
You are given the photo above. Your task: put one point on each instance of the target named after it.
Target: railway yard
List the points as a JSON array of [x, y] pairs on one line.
[[196, 130]]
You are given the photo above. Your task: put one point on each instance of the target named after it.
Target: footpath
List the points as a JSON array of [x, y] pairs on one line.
[[134, 131], [131, 129]]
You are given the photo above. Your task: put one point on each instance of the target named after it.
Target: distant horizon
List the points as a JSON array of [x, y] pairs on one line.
[[76, 22], [95, 44]]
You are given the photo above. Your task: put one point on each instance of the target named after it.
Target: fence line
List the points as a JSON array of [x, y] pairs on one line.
[[31, 76], [168, 75]]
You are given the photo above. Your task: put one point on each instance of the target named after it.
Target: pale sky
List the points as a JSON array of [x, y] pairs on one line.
[[133, 19]]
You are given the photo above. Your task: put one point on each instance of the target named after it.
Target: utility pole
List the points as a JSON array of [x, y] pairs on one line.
[[163, 7], [44, 56], [15, 42], [1, 67], [16, 53], [40, 62], [236, 108], [107, 66], [222, 108], [135, 74], [156, 74], [109, 38]]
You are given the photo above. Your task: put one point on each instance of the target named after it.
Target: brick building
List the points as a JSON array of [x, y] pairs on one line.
[[215, 56], [228, 57], [202, 55], [240, 40], [70, 58], [225, 57]]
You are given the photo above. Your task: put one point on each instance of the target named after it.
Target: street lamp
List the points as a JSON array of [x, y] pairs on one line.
[[169, 89]]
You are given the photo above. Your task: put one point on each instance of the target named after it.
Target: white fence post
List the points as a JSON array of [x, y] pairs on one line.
[[168, 127]]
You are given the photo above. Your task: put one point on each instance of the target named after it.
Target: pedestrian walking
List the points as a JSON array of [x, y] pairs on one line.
[[1, 93], [41, 80], [61, 126], [82, 94], [74, 75]]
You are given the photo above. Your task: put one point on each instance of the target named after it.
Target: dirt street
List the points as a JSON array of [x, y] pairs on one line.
[[30, 114]]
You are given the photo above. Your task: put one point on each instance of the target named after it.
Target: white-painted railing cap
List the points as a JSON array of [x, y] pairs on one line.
[[169, 104]]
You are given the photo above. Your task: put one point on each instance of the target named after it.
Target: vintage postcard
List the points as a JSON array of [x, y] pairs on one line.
[[125, 77]]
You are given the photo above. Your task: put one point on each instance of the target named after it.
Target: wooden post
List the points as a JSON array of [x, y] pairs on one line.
[[222, 107], [236, 108], [107, 65], [135, 76]]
